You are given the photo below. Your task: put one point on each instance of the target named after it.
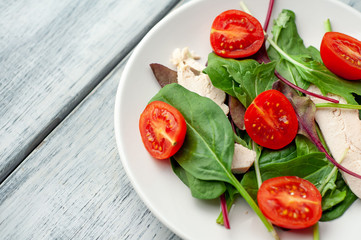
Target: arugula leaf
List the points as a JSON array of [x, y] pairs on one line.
[[303, 160], [243, 79], [302, 65]]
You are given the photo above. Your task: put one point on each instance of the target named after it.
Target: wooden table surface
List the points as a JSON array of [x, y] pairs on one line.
[[60, 64]]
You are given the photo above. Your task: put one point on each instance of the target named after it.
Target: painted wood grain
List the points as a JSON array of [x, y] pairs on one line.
[[73, 185], [52, 54]]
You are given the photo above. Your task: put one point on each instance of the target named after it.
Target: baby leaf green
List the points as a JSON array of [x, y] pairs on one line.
[[303, 66], [243, 79]]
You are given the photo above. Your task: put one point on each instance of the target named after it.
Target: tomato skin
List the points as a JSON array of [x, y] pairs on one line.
[[162, 128], [270, 120], [341, 54], [290, 202], [236, 34]]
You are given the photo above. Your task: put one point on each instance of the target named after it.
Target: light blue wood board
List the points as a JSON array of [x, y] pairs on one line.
[[52, 54], [73, 186]]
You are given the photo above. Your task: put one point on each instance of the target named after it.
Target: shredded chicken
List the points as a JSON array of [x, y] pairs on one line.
[[190, 76]]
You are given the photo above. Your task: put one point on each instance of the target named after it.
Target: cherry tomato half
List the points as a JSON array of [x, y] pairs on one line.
[[270, 120], [236, 34], [162, 128], [290, 202], [341, 54]]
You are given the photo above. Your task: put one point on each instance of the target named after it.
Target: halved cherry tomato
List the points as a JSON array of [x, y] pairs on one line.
[[236, 34], [341, 54], [162, 128], [270, 120], [290, 202]]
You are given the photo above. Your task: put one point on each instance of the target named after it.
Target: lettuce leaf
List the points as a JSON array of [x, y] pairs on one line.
[[243, 79]]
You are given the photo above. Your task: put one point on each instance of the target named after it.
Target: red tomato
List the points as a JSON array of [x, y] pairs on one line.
[[162, 128], [341, 54], [290, 202], [236, 34], [270, 120]]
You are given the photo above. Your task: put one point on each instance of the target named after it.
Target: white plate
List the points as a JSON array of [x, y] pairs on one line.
[[164, 194]]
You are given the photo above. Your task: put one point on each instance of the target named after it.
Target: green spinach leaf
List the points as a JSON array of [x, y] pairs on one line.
[[200, 189], [207, 151]]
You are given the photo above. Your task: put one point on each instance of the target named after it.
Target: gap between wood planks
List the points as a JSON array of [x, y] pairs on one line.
[[39, 138]]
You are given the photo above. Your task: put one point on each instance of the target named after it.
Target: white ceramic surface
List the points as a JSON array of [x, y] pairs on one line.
[[165, 195]]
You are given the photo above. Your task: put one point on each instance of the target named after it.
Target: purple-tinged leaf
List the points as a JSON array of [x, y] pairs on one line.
[[236, 110], [163, 74], [305, 110]]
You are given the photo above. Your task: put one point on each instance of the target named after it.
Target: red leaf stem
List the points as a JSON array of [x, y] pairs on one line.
[[268, 16], [224, 211], [303, 90]]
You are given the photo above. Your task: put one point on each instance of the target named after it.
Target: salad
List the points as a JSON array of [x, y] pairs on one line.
[[204, 159]]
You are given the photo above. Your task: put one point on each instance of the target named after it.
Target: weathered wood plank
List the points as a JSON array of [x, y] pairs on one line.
[[52, 53], [353, 3], [73, 185]]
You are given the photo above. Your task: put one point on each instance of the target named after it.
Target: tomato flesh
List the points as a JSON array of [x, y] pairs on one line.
[[290, 202], [236, 34], [341, 54], [162, 128], [270, 120]]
